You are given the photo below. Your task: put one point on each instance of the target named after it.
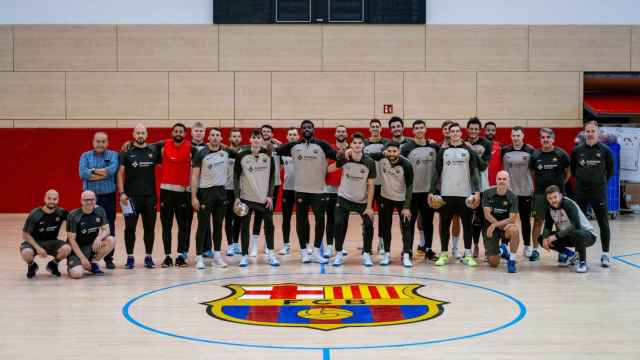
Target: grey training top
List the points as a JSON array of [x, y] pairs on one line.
[[355, 176], [214, 166], [457, 167], [516, 163], [289, 173], [423, 159], [254, 176], [309, 163], [375, 147]]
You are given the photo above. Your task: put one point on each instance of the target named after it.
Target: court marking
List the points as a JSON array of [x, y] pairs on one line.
[[325, 350], [621, 259]]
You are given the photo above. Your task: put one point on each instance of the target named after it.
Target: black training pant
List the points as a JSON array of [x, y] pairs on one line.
[[477, 223], [330, 229], [144, 206], [288, 203], [377, 201], [231, 220], [342, 209], [213, 202], [598, 201], [178, 204], [257, 223], [580, 239], [386, 210], [419, 206], [524, 210], [316, 202], [108, 203], [262, 213], [455, 205]]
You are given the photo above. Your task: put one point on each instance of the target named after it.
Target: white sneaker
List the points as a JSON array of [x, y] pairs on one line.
[[328, 251], [253, 252], [286, 249], [366, 260], [217, 259], [230, 250], [236, 249], [406, 261], [306, 258], [317, 258], [344, 252], [604, 261], [338, 260], [244, 262], [581, 267], [271, 259], [386, 260], [527, 251], [200, 263], [309, 249], [456, 254]]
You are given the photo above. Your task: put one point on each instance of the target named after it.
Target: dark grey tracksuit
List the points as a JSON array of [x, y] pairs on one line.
[[572, 228]]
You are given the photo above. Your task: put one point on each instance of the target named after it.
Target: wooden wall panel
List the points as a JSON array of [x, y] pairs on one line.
[[579, 48], [32, 95], [477, 48], [253, 95], [373, 48], [6, 48], [532, 95], [322, 95], [635, 49], [439, 95], [65, 47], [201, 95], [168, 47], [117, 95], [270, 48], [98, 124], [389, 89]]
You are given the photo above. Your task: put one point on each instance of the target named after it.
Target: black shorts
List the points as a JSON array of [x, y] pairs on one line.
[[74, 260], [50, 246]]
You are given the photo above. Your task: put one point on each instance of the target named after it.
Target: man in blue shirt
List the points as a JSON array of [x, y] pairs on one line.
[[98, 168]]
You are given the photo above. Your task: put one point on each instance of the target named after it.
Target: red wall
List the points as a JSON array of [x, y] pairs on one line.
[[40, 159]]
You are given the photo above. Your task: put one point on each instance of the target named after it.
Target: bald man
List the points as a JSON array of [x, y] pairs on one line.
[[89, 237], [98, 169], [500, 206], [137, 187], [40, 235]]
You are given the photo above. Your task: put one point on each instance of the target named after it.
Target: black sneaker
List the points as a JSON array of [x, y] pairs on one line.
[[52, 267], [109, 264], [148, 262], [168, 262], [32, 269], [430, 255], [180, 262]]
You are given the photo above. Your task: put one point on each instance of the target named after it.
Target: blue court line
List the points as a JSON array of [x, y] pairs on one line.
[[627, 262], [322, 269], [326, 354], [326, 350]]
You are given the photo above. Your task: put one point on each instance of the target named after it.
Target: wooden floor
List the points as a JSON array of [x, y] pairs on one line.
[[541, 312]]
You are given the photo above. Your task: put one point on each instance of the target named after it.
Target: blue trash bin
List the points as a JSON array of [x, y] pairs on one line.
[[613, 187]]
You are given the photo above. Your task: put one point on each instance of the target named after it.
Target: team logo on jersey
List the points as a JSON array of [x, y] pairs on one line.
[[315, 151], [98, 220], [250, 169], [57, 219], [362, 171], [299, 157], [324, 307], [582, 162], [150, 156], [135, 164], [264, 161], [555, 159], [504, 203], [598, 155]]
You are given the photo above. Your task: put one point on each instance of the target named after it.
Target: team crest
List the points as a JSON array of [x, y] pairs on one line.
[[324, 307], [98, 220]]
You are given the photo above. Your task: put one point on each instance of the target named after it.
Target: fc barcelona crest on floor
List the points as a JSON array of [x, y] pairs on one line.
[[325, 307]]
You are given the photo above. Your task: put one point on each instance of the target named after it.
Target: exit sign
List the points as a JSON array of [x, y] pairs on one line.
[[388, 109]]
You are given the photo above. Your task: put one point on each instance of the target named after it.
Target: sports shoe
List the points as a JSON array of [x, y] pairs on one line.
[[244, 261], [406, 260], [535, 255], [381, 247], [286, 249], [469, 261], [582, 267], [421, 250], [504, 251], [131, 262], [181, 261], [52, 267], [271, 259], [32, 269], [167, 262], [317, 258], [563, 258], [443, 259], [236, 249], [95, 269], [511, 266], [366, 260], [574, 259], [309, 249], [338, 260], [430, 255], [208, 254], [230, 250], [476, 251], [386, 260], [344, 252], [148, 262], [200, 262], [109, 264], [604, 261], [526, 252], [457, 255], [306, 258], [328, 251], [217, 259]]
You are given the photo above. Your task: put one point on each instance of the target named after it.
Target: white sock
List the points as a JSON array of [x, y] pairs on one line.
[[467, 252], [527, 248], [454, 241], [605, 253], [512, 256], [216, 253], [422, 239]]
